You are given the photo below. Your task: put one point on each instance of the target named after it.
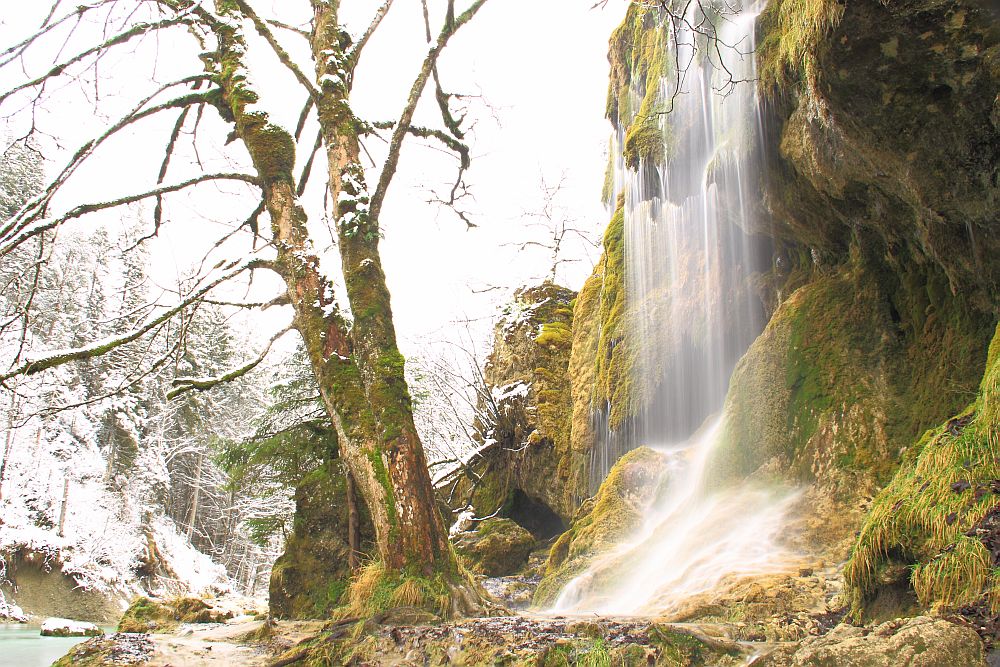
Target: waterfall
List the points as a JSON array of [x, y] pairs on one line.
[[693, 312]]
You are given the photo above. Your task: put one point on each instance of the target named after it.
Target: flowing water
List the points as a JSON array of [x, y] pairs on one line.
[[693, 312]]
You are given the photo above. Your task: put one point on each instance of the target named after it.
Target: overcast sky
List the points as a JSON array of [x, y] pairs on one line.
[[538, 69]]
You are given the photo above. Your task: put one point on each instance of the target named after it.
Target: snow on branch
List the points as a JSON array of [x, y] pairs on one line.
[[183, 385], [52, 358], [45, 225]]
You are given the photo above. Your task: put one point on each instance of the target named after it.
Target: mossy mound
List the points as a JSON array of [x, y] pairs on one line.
[[851, 368], [604, 520], [939, 513], [149, 615], [496, 547]]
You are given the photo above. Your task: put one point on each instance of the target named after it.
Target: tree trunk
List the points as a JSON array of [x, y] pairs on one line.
[[358, 367], [195, 497], [353, 523], [62, 508]]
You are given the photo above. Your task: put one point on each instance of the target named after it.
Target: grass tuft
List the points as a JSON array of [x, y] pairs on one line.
[[930, 512]]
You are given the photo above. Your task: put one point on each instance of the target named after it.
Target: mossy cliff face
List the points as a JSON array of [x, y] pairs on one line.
[[309, 579], [903, 157], [882, 190], [841, 382], [531, 473]]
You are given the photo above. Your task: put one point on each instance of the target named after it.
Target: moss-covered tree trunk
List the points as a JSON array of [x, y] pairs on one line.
[[387, 458], [357, 364]]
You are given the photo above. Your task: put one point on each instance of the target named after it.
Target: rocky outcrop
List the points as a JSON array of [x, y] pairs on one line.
[[527, 468], [36, 583]]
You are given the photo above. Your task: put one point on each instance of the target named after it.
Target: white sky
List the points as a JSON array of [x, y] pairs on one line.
[[540, 64]]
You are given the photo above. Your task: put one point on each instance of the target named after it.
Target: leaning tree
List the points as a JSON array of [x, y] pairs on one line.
[[351, 345]]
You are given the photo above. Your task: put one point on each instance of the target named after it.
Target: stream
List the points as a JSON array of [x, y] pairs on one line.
[[21, 645]]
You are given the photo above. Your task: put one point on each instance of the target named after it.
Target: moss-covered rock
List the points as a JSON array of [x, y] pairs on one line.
[[495, 547], [905, 157], [309, 579], [604, 520], [530, 473], [154, 615], [852, 367]]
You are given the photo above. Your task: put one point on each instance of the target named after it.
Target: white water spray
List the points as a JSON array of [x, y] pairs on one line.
[[693, 312]]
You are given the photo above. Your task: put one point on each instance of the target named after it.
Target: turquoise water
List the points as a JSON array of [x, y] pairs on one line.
[[23, 646]]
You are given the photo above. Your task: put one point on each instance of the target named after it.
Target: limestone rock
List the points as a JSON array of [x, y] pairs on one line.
[[529, 471], [916, 642]]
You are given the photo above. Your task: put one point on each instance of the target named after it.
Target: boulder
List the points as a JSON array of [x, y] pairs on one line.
[[495, 547], [150, 615]]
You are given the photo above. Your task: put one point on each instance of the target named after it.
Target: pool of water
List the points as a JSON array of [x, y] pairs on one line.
[[23, 646]]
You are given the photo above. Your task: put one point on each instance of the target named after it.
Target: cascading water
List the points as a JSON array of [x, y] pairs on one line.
[[692, 313]]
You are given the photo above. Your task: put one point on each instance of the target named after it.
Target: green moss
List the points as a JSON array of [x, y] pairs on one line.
[[851, 369], [382, 475], [498, 547], [929, 512], [790, 31], [557, 334]]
